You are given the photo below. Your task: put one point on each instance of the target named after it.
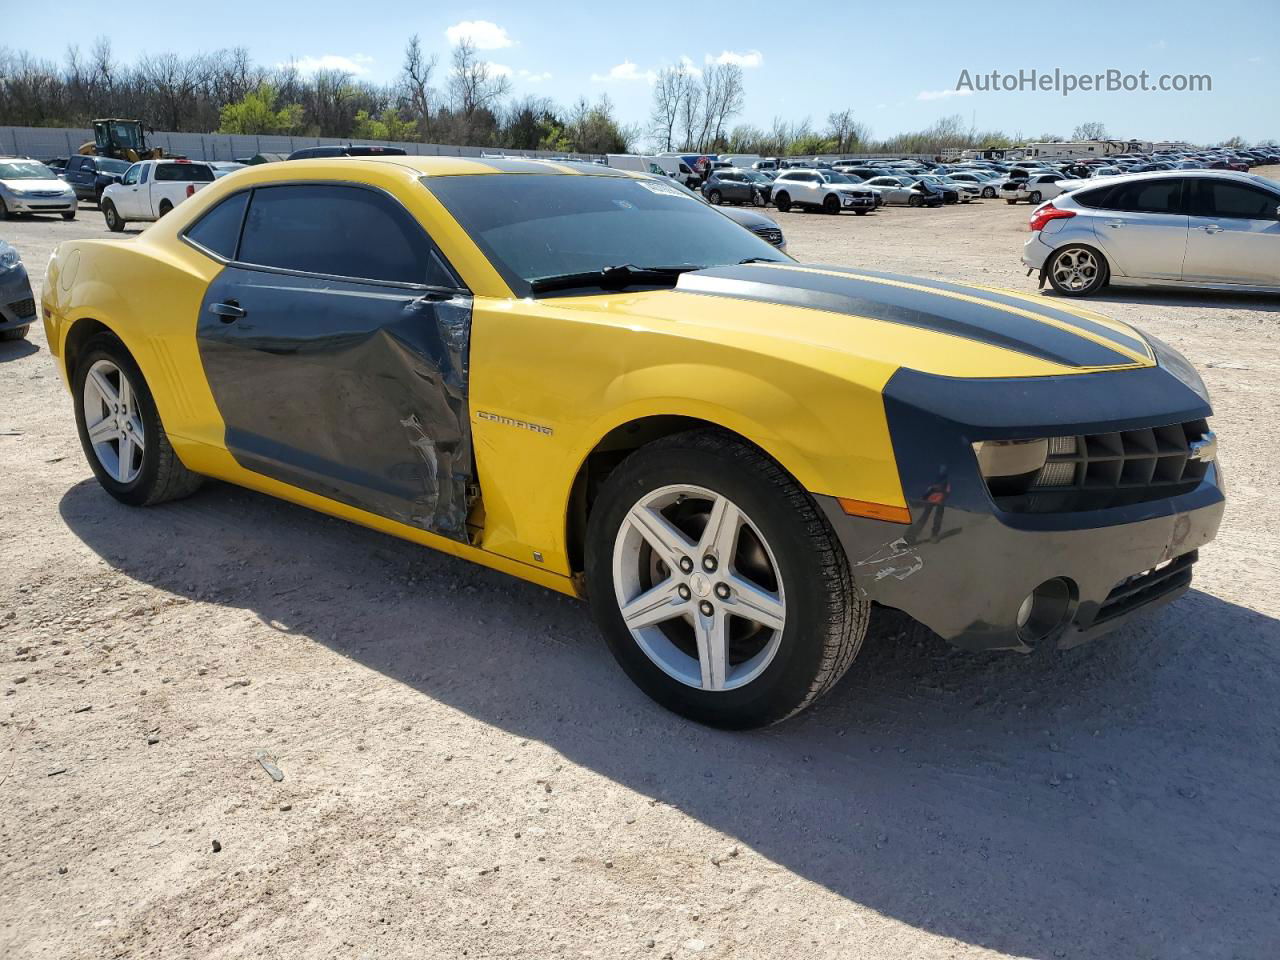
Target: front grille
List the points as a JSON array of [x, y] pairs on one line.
[[23, 308], [45, 193], [1129, 594], [772, 234], [1100, 470]]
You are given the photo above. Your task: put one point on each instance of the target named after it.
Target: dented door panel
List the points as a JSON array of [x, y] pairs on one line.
[[356, 391]]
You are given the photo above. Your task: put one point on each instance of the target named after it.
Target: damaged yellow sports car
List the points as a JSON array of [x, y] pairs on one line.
[[594, 381]]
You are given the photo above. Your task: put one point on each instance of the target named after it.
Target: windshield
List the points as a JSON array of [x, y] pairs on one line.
[[533, 226], [109, 165], [25, 170], [837, 178]]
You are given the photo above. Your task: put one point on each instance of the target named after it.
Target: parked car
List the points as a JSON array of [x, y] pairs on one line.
[[763, 227], [28, 186], [1187, 227], [90, 176], [1037, 187], [731, 185], [823, 190], [56, 164], [346, 150], [152, 188], [737, 482], [953, 191], [223, 167], [17, 302], [983, 185], [902, 191]]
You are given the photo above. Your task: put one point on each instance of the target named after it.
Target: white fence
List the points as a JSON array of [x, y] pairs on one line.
[[46, 142]]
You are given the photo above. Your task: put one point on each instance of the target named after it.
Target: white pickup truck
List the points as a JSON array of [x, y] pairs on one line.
[[151, 188]]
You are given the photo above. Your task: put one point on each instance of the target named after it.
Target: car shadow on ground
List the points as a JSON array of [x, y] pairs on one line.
[[16, 349], [1116, 800], [1164, 297]]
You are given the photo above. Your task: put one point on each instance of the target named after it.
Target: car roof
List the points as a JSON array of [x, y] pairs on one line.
[[464, 166], [1236, 175]]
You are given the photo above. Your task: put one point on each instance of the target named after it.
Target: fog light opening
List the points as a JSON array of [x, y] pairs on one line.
[[1046, 610]]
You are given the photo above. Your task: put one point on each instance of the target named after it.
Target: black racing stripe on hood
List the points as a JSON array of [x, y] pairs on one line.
[[1062, 316], [913, 308]]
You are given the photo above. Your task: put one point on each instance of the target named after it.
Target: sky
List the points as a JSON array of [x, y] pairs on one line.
[[896, 66]]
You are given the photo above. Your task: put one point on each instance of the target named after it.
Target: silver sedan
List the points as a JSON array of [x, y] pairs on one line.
[[1200, 228], [28, 186]]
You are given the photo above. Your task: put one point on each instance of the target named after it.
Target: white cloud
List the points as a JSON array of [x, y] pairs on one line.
[[331, 61], [942, 94], [690, 67], [626, 70], [483, 34], [530, 77], [747, 60], [499, 69]]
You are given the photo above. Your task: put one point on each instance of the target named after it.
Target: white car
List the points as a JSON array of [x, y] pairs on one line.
[[28, 186], [825, 190], [151, 188], [899, 190], [985, 185], [1036, 188]]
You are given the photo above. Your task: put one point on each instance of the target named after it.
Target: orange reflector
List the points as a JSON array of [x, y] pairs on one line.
[[876, 511]]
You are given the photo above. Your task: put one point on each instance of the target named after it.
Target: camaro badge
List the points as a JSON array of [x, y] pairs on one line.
[[513, 422]]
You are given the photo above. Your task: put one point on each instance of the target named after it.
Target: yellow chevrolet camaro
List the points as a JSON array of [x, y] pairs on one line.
[[596, 382]]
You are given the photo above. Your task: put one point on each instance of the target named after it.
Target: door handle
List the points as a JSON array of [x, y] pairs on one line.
[[1211, 228], [1115, 224], [228, 312]]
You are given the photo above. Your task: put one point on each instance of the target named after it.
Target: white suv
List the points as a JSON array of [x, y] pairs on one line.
[[824, 190]]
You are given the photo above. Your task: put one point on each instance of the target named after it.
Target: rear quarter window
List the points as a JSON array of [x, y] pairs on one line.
[[218, 231], [184, 172]]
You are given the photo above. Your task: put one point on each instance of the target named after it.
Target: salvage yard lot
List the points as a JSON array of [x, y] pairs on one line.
[[466, 770]]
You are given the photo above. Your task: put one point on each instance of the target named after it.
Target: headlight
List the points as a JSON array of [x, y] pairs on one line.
[[9, 258], [1010, 458]]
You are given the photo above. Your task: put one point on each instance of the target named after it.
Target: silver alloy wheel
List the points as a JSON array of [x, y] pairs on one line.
[[113, 422], [1074, 269], [699, 587]]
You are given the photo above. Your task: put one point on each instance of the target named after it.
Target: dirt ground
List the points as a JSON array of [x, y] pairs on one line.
[[466, 772]]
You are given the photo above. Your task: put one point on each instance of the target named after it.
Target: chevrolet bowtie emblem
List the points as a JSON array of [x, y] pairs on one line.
[[1206, 448]]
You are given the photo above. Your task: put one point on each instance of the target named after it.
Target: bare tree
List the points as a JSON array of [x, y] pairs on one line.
[[723, 97], [415, 84], [846, 132], [472, 82], [669, 94], [1094, 130]]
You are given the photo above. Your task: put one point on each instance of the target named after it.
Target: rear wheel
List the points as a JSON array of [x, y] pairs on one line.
[[165, 207], [1011, 202], [720, 588], [915, 200], [1035, 196], [782, 201], [830, 203], [114, 221], [988, 193], [1077, 271], [120, 429]]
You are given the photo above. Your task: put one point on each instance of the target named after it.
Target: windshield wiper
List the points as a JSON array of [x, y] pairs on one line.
[[609, 278]]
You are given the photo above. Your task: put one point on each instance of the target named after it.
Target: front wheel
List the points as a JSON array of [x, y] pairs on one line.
[[915, 201], [831, 204], [1077, 271], [988, 193], [1011, 202], [4, 210], [69, 215], [720, 588], [115, 223], [782, 201], [14, 333], [120, 429], [861, 213]]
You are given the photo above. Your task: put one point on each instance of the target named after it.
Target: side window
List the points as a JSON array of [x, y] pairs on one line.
[[1147, 196], [131, 175], [145, 173], [218, 231], [1219, 198], [74, 164], [338, 231], [1097, 197]]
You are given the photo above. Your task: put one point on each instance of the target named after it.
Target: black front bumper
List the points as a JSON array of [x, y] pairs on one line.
[[963, 568]]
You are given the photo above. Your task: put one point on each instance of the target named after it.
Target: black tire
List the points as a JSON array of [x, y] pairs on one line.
[[1035, 196], [165, 207], [97, 197], [831, 204], [69, 215], [4, 210], [115, 223], [715, 198], [861, 213], [988, 193], [915, 201], [818, 642], [1011, 202], [782, 201], [162, 475], [1098, 277], [14, 333]]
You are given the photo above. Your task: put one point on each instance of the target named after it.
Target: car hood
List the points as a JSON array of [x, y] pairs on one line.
[[747, 218], [54, 184], [837, 318]]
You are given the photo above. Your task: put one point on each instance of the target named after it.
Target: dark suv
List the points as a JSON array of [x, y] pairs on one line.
[[346, 150], [89, 176]]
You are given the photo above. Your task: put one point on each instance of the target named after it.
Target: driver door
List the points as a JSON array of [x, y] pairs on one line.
[[128, 198], [335, 343]]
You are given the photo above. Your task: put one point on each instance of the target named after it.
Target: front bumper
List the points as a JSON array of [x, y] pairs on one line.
[[17, 303], [24, 204], [963, 568]]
